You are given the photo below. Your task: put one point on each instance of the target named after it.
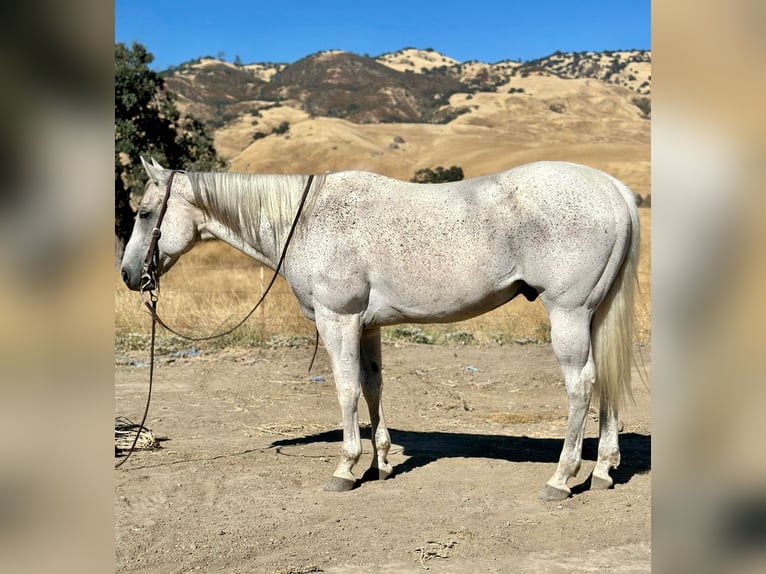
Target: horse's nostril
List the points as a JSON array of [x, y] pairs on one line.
[[125, 276]]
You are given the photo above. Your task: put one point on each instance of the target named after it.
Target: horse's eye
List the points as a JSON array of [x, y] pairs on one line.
[[143, 214]]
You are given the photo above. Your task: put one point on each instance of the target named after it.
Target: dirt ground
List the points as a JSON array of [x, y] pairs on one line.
[[250, 438]]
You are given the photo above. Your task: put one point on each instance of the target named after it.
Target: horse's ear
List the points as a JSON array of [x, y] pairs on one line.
[[156, 164], [152, 171]]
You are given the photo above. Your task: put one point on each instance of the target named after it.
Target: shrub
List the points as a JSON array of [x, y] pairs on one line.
[[460, 337], [411, 334], [438, 175], [558, 107], [281, 128], [446, 116], [645, 105]]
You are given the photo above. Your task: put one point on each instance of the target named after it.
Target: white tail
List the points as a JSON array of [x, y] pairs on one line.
[[612, 328]]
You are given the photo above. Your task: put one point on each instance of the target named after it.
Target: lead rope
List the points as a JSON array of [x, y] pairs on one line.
[[150, 282], [148, 396]]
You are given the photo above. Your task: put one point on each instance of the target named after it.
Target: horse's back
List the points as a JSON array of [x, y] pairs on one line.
[[536, 186]]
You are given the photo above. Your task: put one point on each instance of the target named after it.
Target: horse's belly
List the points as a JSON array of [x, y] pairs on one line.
[[436, 302]]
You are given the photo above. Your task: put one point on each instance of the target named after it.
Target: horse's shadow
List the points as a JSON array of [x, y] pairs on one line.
[[425, 447]]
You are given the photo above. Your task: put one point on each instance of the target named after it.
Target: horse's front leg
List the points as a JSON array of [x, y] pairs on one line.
[[341, 334]]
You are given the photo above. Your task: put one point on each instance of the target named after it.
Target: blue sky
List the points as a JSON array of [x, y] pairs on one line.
[[176, 31]]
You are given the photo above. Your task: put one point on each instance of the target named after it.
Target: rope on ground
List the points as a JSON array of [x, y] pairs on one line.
[[125, 433]]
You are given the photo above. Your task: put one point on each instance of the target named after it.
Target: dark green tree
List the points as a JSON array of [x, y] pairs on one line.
[[148, 124], [438, 175]]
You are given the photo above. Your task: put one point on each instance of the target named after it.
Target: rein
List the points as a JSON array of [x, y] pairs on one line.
[[155, 276], [150, 282]]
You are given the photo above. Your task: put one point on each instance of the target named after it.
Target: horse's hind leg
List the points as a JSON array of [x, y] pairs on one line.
[[570, 336], [372, 385], [608, 447]]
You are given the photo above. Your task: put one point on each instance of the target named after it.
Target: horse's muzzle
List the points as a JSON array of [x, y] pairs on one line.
[[132, 280]]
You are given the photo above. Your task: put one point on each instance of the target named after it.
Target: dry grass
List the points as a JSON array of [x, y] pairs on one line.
[[210, 289], [213, 286]]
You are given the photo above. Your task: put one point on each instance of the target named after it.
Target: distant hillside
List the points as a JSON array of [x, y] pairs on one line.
[[631, 69], [417, 61], [409, 85], [215, 91], [359, 89]]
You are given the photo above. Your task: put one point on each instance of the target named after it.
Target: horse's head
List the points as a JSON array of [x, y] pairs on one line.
[[180, 227]]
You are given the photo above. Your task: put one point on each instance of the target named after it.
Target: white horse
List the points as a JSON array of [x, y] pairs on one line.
[[370, 251]]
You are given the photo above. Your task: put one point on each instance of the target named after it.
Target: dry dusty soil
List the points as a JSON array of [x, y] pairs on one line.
[[250, 438]]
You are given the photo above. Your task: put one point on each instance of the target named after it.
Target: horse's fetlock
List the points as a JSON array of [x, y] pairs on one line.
[[352, 454], [383, 443]]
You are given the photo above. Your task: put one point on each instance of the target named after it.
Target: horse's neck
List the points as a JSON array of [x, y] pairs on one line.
[[263, 254], [258, 230]]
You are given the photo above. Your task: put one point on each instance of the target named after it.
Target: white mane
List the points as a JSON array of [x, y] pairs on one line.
[[239, 200]]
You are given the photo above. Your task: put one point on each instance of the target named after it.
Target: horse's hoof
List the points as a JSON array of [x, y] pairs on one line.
[[551, 493], [337, 484], [600, 483]]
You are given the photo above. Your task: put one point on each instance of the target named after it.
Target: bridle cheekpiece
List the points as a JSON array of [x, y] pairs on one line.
[[150, 277]]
